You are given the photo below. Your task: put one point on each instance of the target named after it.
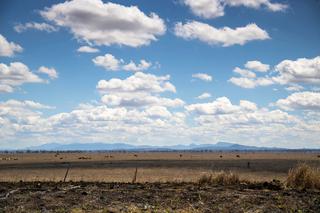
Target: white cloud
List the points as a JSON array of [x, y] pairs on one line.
[[138, 90], [139, 100], [294, 88], [157, 125], [256, 4], [109, 62], [20, 116], [223, 112], [302, 70], [131, 66], [15, 75], [215, 8], [8, 48], [287, 72], [222, 106], [87, 123], [94, 21], [87, 49], [257, 66], [51, 72], [139, 82], [250, 83], [220, 36], [158, 111], [219, 106], [24, 104], [204, 95], [35, 26], [202, 76], [206, 8], [300, 101], [244, 73]]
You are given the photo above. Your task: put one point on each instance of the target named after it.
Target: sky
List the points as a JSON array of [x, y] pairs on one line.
[[160, 72]]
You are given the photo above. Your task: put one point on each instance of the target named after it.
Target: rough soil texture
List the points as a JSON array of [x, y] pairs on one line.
[[153, 197]]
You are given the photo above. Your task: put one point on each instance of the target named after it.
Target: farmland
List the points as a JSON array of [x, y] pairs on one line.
[[165, 181], [152, 166]]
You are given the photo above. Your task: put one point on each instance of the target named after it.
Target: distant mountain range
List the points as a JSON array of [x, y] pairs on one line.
[[220, 146]]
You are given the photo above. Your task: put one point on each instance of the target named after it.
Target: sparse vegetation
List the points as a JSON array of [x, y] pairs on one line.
[[84, 158], [304, 177], [153, 166], [8, 159], [222, 178]]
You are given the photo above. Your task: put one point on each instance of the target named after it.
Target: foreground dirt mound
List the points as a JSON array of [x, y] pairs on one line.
[[153, 197]]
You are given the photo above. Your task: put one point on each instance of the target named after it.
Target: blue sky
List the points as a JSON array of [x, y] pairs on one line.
[[183, 72]]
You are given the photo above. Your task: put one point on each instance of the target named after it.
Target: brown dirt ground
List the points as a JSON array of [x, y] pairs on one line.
[[153, 197]]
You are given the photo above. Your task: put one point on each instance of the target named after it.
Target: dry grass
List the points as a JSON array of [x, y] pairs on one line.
[[304, 177], [152, 166], [115, 156], [221, 178]]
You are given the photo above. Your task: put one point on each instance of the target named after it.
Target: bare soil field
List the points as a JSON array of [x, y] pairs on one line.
[[153, 197], [151, 166]]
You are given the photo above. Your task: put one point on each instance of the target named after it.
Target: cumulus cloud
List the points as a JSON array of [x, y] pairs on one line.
[[20, 116], [256, 4], [108, 61], [300, 101], [287, 72], [138, 90], [139, 82], [158, 111], [35, 26], [8, 48], [139, 100], [219, 106], [202, 76], [94, 21], [302, 70], [225, 36], [204, 95], [51, 72], [14, 75], [250, 83], [87, 123], [257, 66], [87, 49], [131, 66], [26, 104], [111, 63], [156, 124], [215, 8], [244, 73], [223, 112], [206, 8], [294, 88]]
